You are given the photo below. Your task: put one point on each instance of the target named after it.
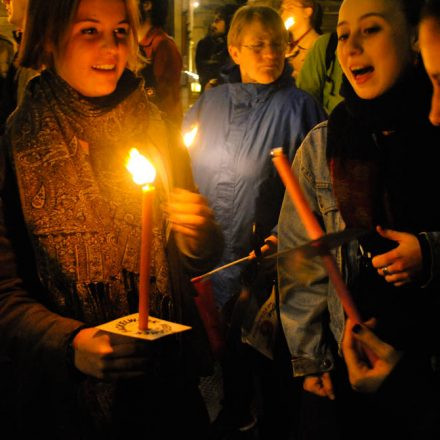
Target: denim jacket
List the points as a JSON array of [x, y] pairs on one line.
[[308, 309]]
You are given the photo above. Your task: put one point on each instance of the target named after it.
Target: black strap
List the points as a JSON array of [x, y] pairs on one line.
[[330, 50]]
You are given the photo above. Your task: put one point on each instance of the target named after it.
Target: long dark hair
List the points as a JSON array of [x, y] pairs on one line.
[[317, 14]]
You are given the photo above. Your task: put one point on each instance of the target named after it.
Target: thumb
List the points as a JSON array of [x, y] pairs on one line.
[[371, 341], [390, 234]]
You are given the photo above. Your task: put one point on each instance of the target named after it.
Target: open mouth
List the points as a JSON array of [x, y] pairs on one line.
[[104, 67], [361, 72]]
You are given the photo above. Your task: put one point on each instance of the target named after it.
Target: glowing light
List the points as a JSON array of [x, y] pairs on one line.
[[188, 138], [196, 4], [289, 22], [192, 75], [140, 167], [196, 87]]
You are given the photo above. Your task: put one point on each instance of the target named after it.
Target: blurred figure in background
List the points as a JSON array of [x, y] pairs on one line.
[[212, 54], [321, 73], [16, 78], [161, 62], [303, 20]]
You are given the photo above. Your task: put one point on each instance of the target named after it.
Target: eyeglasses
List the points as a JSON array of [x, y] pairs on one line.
[[259, 47]]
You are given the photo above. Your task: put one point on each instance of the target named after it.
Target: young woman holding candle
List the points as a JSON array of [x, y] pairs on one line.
[[370, 166], [70, 238], [395, 369]]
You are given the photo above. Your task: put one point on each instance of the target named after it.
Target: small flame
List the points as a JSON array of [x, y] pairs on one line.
[[289, 23], [140, 167], [188, 137]]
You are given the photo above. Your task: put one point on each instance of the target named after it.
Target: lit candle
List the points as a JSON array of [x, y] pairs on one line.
[[314, 230], [144, 174], [189, 136], [289, 23]]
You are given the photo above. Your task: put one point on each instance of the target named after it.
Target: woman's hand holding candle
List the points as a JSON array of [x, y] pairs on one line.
[[362, 375], [191, 218], [108, 356]]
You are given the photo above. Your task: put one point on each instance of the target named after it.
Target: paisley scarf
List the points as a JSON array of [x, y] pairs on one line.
[[80, 205]]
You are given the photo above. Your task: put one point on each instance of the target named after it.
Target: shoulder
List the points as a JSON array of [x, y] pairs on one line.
[[311, 157]]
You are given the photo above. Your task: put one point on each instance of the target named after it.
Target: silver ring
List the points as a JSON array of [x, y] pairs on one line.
[[385, 271]]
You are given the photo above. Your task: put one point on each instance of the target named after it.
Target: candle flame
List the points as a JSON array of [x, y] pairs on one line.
[[188, 138], [289, 23], [140, 167]]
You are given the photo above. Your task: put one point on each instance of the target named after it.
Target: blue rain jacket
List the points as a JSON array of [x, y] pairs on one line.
[[238, 125]]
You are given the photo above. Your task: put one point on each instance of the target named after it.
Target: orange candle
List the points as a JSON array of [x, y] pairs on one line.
[[314, 230], [145, 260], [144, 174]]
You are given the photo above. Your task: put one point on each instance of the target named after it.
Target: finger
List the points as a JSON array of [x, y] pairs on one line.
[[189, 220], [390, 234], [383, 260], [127, 350], [398, 278], [328, 386], [180, 194], [188, 232], [371, 341], [189, 209]]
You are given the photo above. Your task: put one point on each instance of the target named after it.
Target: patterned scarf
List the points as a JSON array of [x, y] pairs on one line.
[[80, 205]]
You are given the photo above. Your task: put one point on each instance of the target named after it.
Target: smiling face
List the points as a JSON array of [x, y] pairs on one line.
[[16, 11], [374, 45], [96, 47], [259, 54], [429, 40]]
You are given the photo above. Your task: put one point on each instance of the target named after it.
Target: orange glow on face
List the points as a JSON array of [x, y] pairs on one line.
[[141, 169]]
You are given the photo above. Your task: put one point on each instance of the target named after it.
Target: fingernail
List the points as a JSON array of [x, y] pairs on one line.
[[357, 328]]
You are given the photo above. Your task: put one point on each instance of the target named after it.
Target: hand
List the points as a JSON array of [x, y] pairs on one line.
[[191, 217], [269, 247], [364, 377], [108, 356], [402, 264], [321, 385]]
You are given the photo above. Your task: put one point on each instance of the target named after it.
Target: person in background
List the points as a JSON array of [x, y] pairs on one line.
[[303, 19], [16, 79], [70, 234], [393, 370], [354, 171], [212, 54], [161, 62], [6, 56], [238, 123], [321, 73]]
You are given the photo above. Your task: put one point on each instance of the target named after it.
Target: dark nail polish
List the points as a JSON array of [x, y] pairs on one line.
[[357, 328]]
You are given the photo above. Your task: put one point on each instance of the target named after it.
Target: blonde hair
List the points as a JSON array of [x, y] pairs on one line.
[[47, 24], [244, 16]]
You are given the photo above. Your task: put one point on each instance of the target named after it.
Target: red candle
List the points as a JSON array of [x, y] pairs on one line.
[[314, 231], [145, 260], [143, 174]]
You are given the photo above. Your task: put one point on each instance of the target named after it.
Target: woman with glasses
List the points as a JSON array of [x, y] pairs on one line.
[[239, 123]]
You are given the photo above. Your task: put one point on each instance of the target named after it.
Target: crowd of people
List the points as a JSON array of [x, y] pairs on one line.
[[356, 113]]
